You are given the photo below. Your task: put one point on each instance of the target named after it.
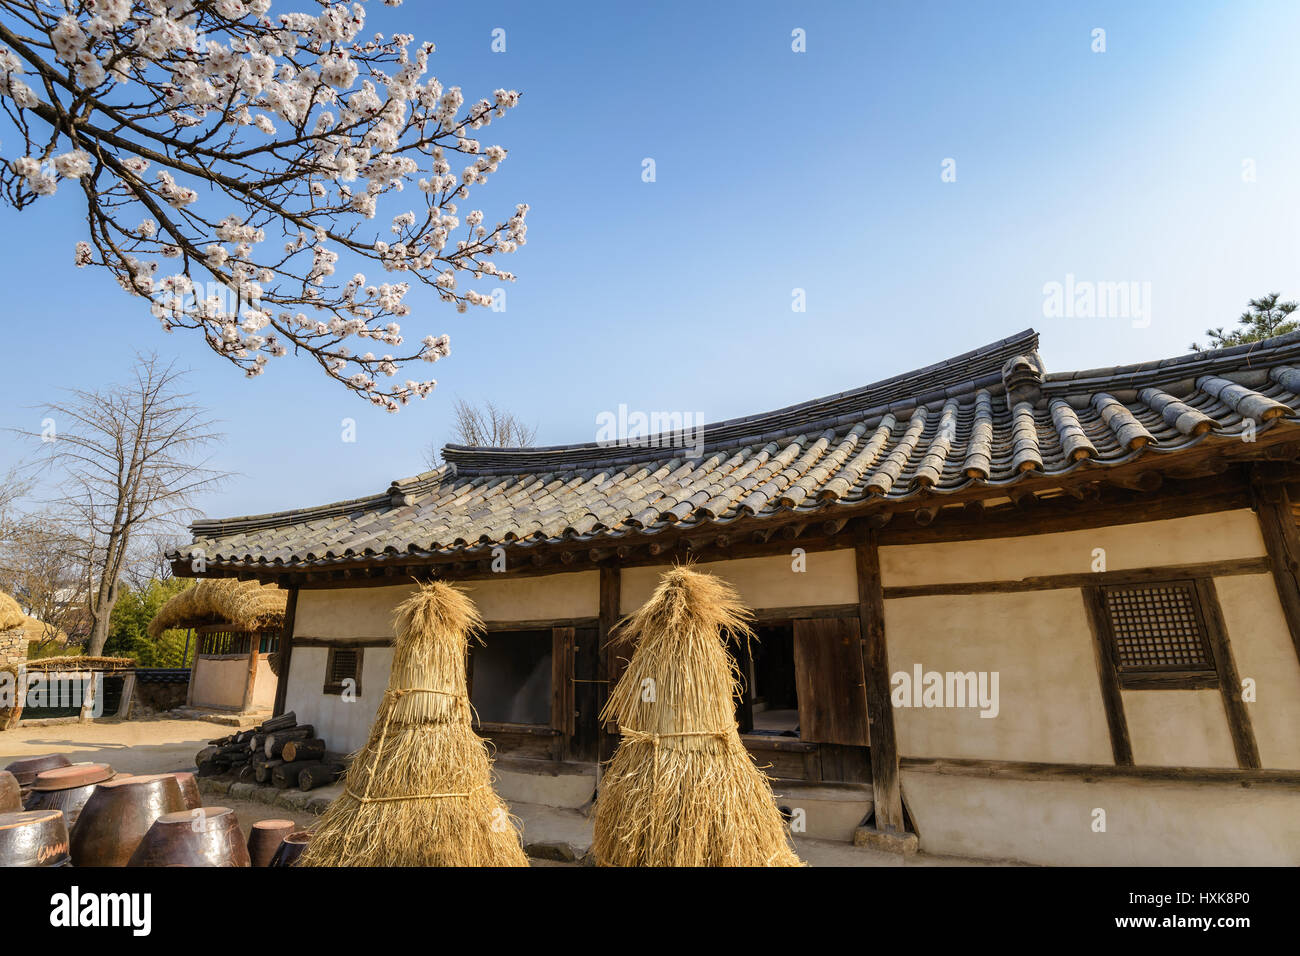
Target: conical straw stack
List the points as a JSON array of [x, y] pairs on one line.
[[682, 790], [419, 793]]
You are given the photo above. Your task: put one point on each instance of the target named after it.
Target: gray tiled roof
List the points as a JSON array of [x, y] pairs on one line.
[[987, 418]]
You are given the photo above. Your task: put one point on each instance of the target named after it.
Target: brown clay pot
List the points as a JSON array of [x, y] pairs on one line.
[[68, 788], [11, 794], [33, 838], [207, 836], [27, 768], [265, 837], [291, 848], [118, 815], [189, 789]]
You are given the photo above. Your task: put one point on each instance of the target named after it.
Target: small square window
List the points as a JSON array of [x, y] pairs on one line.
[[343, 670], [1158, 632]]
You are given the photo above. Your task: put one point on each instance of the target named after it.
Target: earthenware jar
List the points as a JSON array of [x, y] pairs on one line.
[[207, 836], [11, 795], [68, 788], [26, 769], [33, 838], [265, 837], [118, 815], [189, 789], [291, 848]]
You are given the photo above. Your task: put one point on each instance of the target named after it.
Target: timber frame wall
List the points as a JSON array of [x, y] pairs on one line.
[[1268, 487]]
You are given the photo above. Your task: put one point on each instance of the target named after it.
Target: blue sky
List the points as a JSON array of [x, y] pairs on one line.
[[775, 170]]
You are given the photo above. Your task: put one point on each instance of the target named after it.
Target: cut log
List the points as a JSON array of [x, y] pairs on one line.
[[263, 772], [318, 773], [247, 773], [275, 742], [285, 775], [313, 748], [204, 755], [283, 722], [256, 742]]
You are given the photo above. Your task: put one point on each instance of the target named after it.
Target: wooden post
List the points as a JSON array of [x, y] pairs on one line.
[[286, 652], [875, 668], [251, 678], [1121, 748], [1282, 541], [608, 668]]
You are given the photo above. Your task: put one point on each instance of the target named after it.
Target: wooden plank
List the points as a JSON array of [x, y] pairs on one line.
[[1049, 582], [1239, 725], [779, 615], [286, 652], [587, 690], [1025, 770], [885, 782], [1103, 644], [250, 678], [1273, 508], [829, 680], [562, 674]]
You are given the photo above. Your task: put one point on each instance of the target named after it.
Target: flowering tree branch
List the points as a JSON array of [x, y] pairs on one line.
[[295, 132]]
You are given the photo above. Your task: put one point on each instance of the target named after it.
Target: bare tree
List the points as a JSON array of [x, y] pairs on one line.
[[124, 461], [486, 426], [42, 564], [147, 561], [228, 157]]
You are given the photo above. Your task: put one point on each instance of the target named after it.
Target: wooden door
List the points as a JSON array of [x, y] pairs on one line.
[[829, 680]]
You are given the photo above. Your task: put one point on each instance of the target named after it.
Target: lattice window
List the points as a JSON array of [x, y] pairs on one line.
[[1158, 628], [343, 670]]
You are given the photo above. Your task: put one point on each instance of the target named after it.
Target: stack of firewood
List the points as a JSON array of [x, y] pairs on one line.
[[279, 751]]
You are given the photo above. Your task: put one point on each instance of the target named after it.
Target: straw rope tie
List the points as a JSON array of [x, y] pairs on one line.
[[654, 739]]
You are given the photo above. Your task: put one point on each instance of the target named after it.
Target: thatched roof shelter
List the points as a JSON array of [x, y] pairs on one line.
[[11, 615], [76, 664], [243, 605]]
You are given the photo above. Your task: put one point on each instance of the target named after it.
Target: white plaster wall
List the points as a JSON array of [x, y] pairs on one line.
[[220, 683], [356, 613], [344, 726], [1178, 728], [264, 688], [1039, 642], [1222, 536], [830, 578], [1147, 824], [1262, 648]]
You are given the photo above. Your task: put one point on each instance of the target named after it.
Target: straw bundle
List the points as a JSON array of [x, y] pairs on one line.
[[682, 790], [419, 793], [244, 605], [11, 615]]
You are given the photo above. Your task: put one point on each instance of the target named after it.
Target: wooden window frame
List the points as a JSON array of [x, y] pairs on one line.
[[1171, 677], [335, 689]]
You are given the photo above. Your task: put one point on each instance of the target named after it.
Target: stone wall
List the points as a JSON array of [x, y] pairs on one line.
[[13, 645]]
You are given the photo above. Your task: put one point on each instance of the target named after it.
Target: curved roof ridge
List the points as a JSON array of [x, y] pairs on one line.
[[979, 367]]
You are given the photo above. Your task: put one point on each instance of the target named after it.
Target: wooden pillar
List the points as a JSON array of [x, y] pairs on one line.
[[286, 652], [1121, 747], [251, 678], [885, 780], [609, 668], [1282, 541]]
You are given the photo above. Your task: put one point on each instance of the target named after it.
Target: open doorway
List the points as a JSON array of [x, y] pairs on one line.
[[769, 704], [510, 677]]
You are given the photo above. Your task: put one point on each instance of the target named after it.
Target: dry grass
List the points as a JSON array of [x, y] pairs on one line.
[[244, 605], [682, 790], [11, 615], [419, 793]]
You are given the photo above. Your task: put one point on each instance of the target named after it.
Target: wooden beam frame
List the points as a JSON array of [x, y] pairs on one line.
[[1273, 508], [1239, 725], [885, 782], [1121, 747]]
